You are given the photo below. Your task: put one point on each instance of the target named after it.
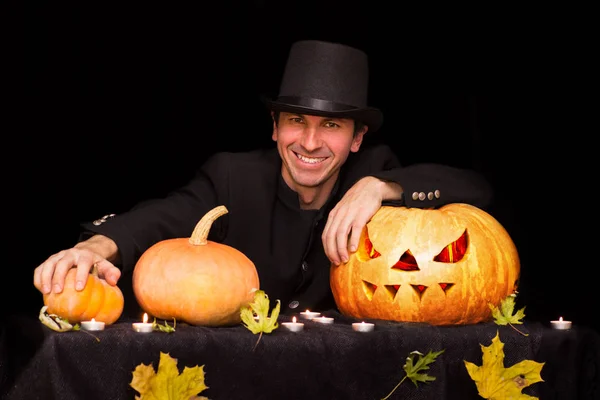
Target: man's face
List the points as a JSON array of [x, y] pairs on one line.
[[313, 148]]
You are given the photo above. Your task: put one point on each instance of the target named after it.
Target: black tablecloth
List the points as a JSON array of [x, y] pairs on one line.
[[321, 362]]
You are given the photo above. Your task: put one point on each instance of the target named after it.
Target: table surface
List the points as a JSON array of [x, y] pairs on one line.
[[321, 362]]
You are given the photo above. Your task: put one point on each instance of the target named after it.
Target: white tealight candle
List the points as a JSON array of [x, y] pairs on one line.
[[363, 326], [143, 327], [309, 314], [561, 324], [323, 320], [92, 325], [293, 326]]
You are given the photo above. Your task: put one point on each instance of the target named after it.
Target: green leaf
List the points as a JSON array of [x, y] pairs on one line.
[[163, 328], [505, 315], [414, 369]]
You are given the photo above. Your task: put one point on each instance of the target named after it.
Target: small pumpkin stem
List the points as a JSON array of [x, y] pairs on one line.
[[94, 270], [202, 228]]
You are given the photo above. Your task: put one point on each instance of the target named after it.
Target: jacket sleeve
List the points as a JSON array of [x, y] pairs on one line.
[[429, 185], [173, 216]]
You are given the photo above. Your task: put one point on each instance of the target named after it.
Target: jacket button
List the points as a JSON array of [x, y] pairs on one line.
[[102, 220], [422, 196], [430, 195], [415, 195], [436, 194], [304, 266], [294, 304]]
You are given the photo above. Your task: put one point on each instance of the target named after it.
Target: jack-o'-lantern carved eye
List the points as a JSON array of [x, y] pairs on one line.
[[455, 251], [370, 250], [366, 251], [452, 253]]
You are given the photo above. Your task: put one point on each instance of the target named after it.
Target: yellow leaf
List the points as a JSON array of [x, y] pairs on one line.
[[494, 382], [167, 383], [142, 376], [260, 308]]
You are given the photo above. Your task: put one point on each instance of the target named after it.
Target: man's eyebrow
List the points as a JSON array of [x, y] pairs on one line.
[[324, 118]]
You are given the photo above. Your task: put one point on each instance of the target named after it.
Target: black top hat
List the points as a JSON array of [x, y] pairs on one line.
[[327, 79]]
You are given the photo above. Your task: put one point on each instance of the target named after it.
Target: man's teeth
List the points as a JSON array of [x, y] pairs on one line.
[[310, 160]]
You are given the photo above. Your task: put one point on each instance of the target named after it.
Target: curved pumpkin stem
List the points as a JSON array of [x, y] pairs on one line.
[[202, 228], [94, 270]]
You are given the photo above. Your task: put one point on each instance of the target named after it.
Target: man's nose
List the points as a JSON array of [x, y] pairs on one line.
[[310, 138]]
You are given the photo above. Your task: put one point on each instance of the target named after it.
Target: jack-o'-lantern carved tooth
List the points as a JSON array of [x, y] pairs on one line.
[[392, 290], [369, 288], [446, 286], [419, 289]]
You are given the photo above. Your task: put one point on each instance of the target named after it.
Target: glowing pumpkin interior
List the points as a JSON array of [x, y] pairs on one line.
[[443, 267]]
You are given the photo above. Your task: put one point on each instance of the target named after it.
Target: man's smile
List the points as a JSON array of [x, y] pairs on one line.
[[310, 160]]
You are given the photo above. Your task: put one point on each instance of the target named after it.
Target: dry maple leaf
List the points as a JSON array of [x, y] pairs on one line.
[[260, 308], [494, 382], [167, 383]]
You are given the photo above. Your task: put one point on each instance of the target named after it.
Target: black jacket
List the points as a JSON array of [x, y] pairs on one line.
[[265, 222]]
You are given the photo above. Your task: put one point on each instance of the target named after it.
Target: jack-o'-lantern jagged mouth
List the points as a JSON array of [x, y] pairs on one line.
[[391, 290]]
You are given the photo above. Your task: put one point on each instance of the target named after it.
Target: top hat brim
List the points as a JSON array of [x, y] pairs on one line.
[[370, 116]]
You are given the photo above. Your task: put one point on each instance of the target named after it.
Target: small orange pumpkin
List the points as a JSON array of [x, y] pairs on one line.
[[98, 300], [195, 280], [443, 266]]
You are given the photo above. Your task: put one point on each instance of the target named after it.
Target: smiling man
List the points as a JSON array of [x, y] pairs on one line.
[[293, 210], [312, 150]]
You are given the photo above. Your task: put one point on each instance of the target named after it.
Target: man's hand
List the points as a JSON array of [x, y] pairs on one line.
[[97, 250], [348, 218]]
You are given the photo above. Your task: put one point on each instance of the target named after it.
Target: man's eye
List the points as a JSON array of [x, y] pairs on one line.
[[331, 125], [297, 120]]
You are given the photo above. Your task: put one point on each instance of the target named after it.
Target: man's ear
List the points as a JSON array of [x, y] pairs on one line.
[[274, 134], [358, 139]]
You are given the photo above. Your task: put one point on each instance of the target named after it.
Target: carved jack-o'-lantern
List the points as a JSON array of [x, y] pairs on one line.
[[442, 267]]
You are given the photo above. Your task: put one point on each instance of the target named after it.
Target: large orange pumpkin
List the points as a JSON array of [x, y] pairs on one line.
[[441, 266], [195, 280], [97, 300]]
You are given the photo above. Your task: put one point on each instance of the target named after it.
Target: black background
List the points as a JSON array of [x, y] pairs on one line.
[[110, 105]]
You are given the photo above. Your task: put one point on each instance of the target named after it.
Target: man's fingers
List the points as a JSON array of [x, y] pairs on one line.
[[341, 236], [108, 271], [46, 274], [331, 237], [37, 278], [354, 238], [342, 244], [61, 268], [51, 274], [85, 263], [42, 276]]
